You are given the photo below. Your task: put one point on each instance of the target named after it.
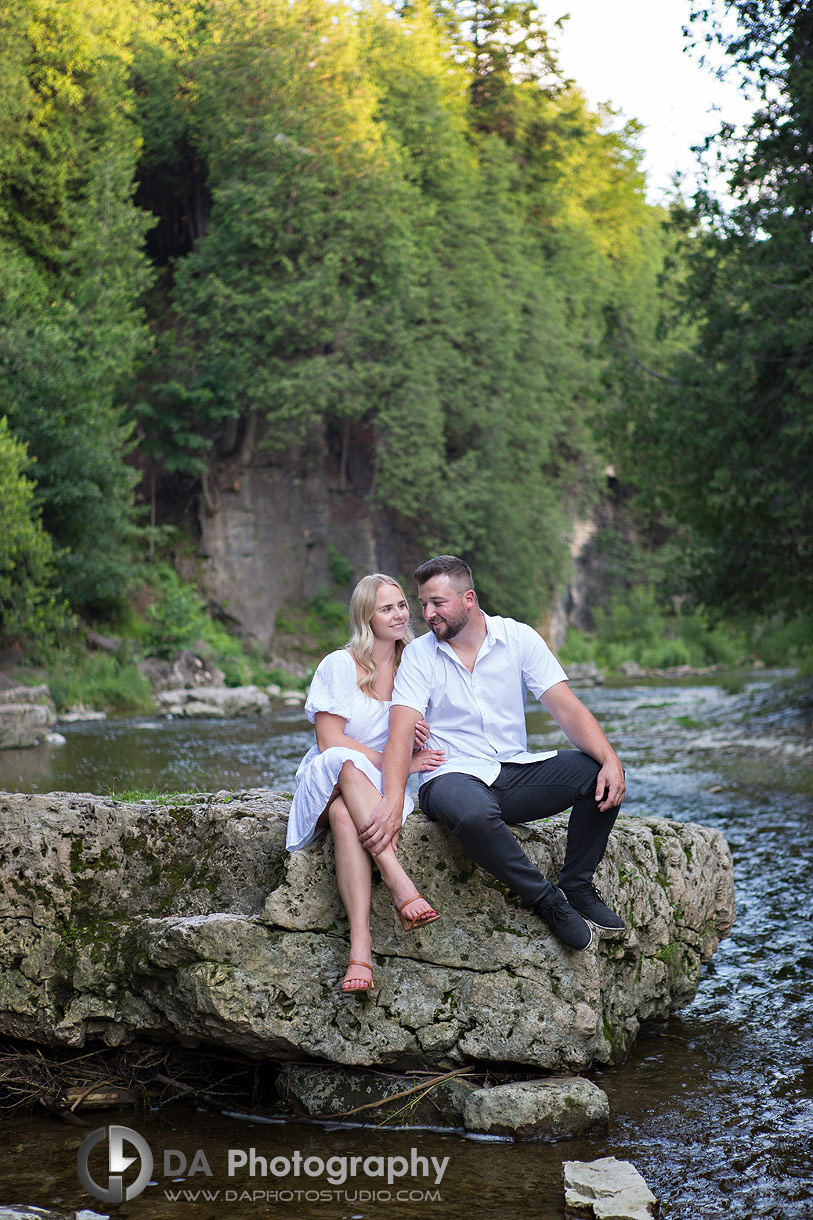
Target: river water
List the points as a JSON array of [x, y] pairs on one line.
[[715, 1107]]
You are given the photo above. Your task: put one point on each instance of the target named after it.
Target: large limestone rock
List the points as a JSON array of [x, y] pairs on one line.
[[26, 715], [185, 671], [190, 921]]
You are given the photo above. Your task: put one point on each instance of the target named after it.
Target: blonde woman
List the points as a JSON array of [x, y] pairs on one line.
[[339, 780]]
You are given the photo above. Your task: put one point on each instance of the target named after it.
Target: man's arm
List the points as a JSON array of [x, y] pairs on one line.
[[586, 734], [384, 822]]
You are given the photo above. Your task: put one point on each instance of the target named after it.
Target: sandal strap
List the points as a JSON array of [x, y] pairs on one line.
[[414, 898], [355, 962]]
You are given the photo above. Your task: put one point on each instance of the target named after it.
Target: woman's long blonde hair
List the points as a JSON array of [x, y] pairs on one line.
[[362, 609]]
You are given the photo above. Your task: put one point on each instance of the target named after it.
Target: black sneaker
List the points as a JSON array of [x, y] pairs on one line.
[[589, 903], [563, 921]]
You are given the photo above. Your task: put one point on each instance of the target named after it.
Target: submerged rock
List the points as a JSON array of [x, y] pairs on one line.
[[554, 1109], [189, 920], [374, 1097]]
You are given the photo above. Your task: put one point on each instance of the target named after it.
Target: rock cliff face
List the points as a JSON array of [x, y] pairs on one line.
[[191, 922], [264, 539], [267, 522]]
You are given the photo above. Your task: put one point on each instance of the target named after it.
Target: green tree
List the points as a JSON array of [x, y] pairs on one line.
[[72, 272], [392, 245], [725, 441], [54, 403], [30, 611]]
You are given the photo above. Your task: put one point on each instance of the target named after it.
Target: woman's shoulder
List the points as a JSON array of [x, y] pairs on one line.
[[335, 678], [339, 663], [333, 687]]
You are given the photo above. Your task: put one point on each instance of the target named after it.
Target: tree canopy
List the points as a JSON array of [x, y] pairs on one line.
[[724, 443], [227, 224]]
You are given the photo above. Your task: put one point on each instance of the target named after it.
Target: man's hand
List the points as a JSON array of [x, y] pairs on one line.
[[382, 827], [610, 785], [586, 734]]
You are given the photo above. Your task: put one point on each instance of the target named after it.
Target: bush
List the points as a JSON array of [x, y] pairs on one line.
[[318, 627], [339, 567], [178, 620], [638, 628], [786, 642], [97, 681]]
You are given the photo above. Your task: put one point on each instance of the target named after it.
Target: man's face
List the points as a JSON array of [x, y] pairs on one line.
[[445, 610]]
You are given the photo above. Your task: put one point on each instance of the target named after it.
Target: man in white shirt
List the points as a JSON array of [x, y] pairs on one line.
[[469, 679]]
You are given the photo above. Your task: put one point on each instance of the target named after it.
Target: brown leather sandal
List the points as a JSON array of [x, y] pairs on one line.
[[367, 986], [409, 925]]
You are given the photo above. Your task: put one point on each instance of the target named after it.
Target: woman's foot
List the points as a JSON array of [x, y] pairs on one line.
[[359, 977], [415, 912]]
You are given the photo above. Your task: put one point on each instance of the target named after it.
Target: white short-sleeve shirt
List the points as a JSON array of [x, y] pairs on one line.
[[478, 718]]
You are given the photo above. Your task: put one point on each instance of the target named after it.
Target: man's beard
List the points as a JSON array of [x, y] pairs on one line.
[[450, 627]]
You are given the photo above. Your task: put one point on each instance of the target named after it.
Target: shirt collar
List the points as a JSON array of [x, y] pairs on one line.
[[495, 628]]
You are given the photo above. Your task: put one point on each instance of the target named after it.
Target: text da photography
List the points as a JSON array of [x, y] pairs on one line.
[[117, 1164]]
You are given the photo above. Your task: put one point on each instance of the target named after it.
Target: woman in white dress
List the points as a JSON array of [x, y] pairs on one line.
[[339, 780]]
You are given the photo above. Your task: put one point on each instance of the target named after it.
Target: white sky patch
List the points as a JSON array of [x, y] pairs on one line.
[[631, 54]]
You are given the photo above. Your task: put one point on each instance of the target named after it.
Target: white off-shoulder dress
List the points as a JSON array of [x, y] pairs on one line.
[[335, 689]]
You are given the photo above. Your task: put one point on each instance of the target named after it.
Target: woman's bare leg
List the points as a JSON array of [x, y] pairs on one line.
[[360, 797], [353, 876]]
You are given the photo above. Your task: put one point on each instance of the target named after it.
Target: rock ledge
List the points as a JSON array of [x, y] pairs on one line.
[[189, 921]]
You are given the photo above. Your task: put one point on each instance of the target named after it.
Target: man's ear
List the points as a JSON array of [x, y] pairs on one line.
[[470, 599]]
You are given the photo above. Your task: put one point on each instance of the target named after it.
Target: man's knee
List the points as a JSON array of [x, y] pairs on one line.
[[460, 802], [578, 770]]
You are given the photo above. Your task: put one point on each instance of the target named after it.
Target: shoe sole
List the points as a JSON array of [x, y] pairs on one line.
[[602, 927], [587, 946]]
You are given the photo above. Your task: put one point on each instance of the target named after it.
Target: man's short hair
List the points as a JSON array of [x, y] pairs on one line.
[[459, 573]]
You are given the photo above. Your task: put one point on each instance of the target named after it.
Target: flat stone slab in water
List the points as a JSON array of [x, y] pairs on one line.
[[607, 1189]]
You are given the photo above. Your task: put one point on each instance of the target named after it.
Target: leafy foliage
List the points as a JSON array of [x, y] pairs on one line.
[[71, 275], [379, 250], [227, 224], [725, 442], [28, 603]]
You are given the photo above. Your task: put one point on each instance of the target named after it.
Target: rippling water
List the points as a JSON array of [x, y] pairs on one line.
[[715, 1107]]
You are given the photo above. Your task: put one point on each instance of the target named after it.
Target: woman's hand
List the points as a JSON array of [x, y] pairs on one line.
[[426, 760], [421, 735]]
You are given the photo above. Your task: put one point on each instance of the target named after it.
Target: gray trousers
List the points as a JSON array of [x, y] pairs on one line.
[[480, 815]]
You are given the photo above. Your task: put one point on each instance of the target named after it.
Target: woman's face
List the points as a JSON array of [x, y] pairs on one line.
[[391, 615]]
